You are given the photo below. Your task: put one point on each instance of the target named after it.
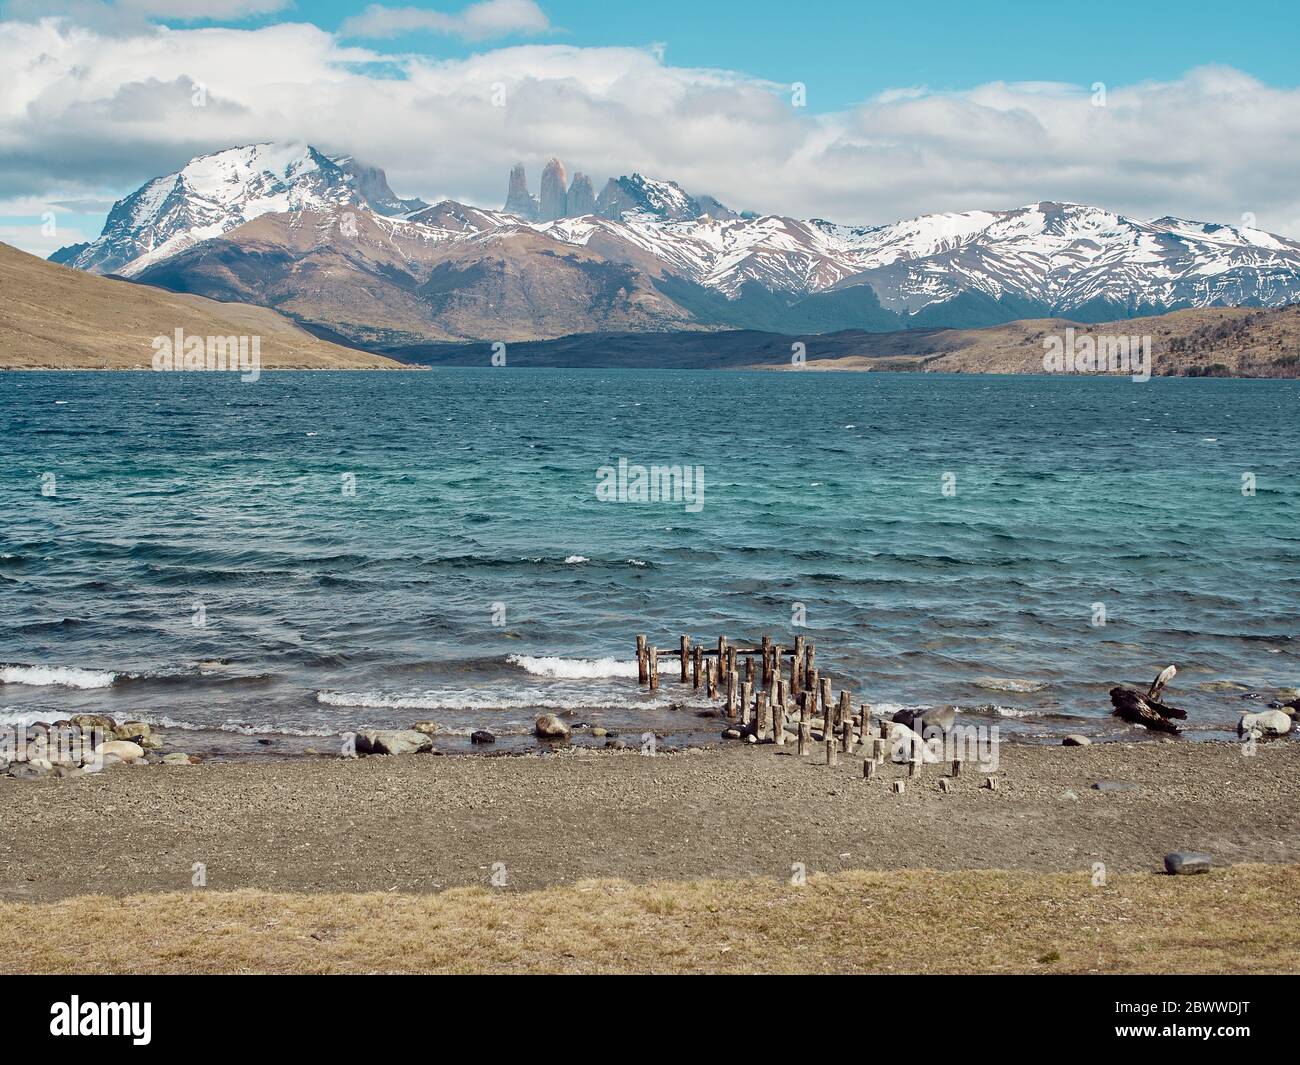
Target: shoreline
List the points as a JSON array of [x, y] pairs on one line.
[[420, 823]]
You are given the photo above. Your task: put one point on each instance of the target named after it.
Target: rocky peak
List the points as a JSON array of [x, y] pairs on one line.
[[519, 201], [582, 197], [554, 198]]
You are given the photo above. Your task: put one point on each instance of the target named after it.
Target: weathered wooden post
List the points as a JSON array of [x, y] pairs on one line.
[[712, 679], [733, 682], [796, 667], [828, 708], [749, 669], [686, 653], [832, 752], [805, 736], [642, 662], [778, 722], [846, 734], [844, 719], [810, 653], [864, 723], [764, 725], [654, 669], [731, 659], [746, 701], [767, 660], [811, 687], [776, 663], [722, 654], [697, 666], [956, 767], [869, 769]]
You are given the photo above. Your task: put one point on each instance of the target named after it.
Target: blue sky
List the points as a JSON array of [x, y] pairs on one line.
[[847, 51], [912, 108]]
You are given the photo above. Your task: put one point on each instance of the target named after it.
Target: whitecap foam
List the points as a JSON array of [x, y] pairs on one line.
[[1009, 684], [56, 676], [479, 699], [573, 668], [574, 560]]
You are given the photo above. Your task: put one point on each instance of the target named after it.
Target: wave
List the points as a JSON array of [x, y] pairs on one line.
[[573, 668], [1010, 684], [57, 676], [478, 699]]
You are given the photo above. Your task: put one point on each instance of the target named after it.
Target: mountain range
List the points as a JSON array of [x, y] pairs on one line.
[[325, 240]]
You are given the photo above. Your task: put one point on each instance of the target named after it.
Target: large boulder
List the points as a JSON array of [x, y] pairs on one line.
[[906, 745], [1264, 723], [550, 727], [122, 750], [919, 719], [393, 741]]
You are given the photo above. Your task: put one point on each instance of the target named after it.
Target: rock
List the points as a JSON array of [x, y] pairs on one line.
[[1287, 695], [599, 732], [27, 771], [94, 721], [1264, 723], [123, 750], [1075, 740], [554, 200], [919, 719], [429, 728], [393, 741], [176, 758], [1187, 862], [1114, 785], [904, 742], [1221, 686], [481, 735], [519, 201], [731, 733], [132, 730], [582, 196], [616, 745], [550, 727]]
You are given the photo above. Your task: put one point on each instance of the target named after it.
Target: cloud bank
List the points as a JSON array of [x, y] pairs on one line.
[[86, 113]]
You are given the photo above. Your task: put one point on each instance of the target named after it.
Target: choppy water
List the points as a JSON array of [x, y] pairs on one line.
[[190, 497]]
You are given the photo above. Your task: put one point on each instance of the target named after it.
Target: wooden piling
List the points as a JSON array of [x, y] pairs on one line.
[[913, 767], [654, 669], [796, 666], [864, 723], [898, 787], [844, 716], [686, 653], [731, 659], [805, 737], [956, 767], [809, 655], [746, 701], [868, 769], [778, 721], [810, 689], [828, 707], [832, 752], [642, 662], [764, 725], [945, 784], [722, 653], [733, 682], [846, 736], [711, 679], [767, 660], [777, 655], [697, 666], [749, 669]]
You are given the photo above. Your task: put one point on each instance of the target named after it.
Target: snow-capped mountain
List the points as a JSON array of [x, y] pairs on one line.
[[652, 256], [213, 194]]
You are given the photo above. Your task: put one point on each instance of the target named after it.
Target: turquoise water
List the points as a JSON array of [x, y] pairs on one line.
[[201, 563]]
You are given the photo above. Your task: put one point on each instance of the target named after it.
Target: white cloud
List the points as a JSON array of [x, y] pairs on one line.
[[487, 18], [85, 114]]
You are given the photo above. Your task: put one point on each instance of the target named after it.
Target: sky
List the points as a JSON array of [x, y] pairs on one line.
[[860, 112]]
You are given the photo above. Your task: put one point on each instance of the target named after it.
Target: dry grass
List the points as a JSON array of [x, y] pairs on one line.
[[1238, 919]]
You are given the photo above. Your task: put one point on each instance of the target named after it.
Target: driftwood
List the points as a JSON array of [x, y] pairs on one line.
[[1148, 710]]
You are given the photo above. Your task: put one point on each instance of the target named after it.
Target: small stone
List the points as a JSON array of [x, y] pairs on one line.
[[615, 745], [599, 732], [1187, 862], [1069, 796], [429, 728], [731, 734], [1114, 785], [550, 727], [482, 736], [176, 758], [1075, 740]]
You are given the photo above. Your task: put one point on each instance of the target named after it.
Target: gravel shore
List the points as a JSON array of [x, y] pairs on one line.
[[423, 823]]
